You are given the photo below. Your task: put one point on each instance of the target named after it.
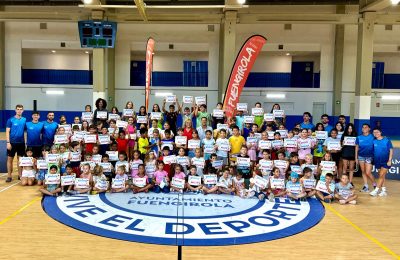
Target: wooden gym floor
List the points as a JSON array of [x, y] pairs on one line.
[[369, 230]]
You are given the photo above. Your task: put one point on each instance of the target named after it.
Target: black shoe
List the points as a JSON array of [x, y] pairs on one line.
[[19, 178], [9, 179]]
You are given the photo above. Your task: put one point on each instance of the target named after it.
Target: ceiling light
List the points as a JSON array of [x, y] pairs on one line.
[[390, 97], [276, 95], [395, 2], [241, 2], [163, 94], [87, 2], [55, 92], [53, 51], [287, 54], [87, 52]]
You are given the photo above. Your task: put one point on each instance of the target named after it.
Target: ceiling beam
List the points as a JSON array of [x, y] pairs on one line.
[[374, 5], [142, 9]]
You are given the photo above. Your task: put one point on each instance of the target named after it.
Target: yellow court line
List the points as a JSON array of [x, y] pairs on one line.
[[331, 209], [19, 210]]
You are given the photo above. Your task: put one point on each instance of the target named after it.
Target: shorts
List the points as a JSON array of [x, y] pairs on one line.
[[348, 158], [40, 175], [209, 186], [365, 159], [379, 165], [28, 173], [16, 148], [37, 151]]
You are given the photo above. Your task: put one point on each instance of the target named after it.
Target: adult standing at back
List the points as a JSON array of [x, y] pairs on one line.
[[307, 124], [34, 134], [49, 130], [365, 155], [325, 123], [15, 140], [101, 106]]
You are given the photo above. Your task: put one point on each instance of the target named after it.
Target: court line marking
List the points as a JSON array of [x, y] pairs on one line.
[[3, 175], [15, 213], [12, 185], [371, 238]]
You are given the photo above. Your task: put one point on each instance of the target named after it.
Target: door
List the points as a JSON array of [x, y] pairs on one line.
[[319, 109], [302, 74]]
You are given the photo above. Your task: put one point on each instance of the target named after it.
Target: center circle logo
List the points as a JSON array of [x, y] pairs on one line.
[[184, 219]]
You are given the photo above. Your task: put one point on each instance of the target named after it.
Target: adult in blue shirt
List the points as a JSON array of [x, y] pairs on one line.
[[364, 155], [383, 155], [307, 124], [34, 134], [15, 140], [49, 130], [325, 123]]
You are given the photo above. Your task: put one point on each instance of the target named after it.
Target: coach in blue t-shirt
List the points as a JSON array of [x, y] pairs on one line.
[[15, 140], [307, 124], [383, 155], [365, 155], [49, 130], [34, 134]]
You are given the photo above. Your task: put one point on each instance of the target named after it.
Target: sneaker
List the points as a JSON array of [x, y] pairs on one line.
[[382, 194], [364, 189], [342, 202], [9, 179], [271, 197], [374, 193], [374, 184], [353, 202]]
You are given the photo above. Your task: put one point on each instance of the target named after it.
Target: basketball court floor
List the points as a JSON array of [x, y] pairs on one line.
[[369, 230]]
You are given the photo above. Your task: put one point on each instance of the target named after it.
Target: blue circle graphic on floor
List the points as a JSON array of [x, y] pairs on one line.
[[184, 219]]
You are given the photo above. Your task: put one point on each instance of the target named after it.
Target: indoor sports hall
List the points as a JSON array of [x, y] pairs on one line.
[[199, 129]]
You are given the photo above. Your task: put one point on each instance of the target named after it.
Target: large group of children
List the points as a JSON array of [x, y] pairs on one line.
[[249, 155]]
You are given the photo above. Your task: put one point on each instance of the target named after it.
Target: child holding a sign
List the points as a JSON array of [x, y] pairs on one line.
[[308, 183], [225, 183], [348, 142], [82, 186], [178, 180], [143, 143], [68, 179], [193, 181], [265, 164], [134, 163], [208, 144], [294, 189], [150, 165], [258, 185], [100, 183], [141, 183], [51, 189], [326, 166], [276, 185], [222, 147], [28, 164], [120, 182], [244, 166], [199, 161], [41, 165], [130, 131], [344, 191], [304, 144], [326, 189], [161, 179]]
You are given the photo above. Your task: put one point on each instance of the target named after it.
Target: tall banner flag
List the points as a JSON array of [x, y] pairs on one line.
[[240, 71], [149, 68]]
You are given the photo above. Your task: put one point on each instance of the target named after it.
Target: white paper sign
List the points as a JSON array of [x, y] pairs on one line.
[[118, 183], [106, 166], [209, 148], [321, 186], [334, 145], [182, 160], [112, 155], [290, 143], [26, 161], [281, 164], [90, 139], [243, 162], [266, 165], [113, 130], [104, 139], [127, 112], [139, 182], [321, 135], [328, 165], [296, 169], [210, 179], [102, 114], [257, 111], [277, 144], [309, 183], [262, 144], [67, 180], [349, 140], [52, 179], [260, 182], [200, 100], [78, 136], [222, 126], [75, 156], [113, 116], [187, 99], [87, 116], [269, 117], [277, 183], [248, 119], [170, 159], [96, 158], [122, 124], [304, 143], [102, 184], [53, 158], [218, 113], [194, 180], [170, 99], [41, 164], [141, 119], [156, 115], [60, 139], [178, 183], [217, 164], [283, 133], [252, 140], [278, 113], [271, 135], [241, 106], [67, 128], [198, 162], [180, 140], [294, 188], [192, 144]]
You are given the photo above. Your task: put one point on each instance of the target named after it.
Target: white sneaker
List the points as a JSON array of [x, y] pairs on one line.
[[342, 202], [382, 194], [353, 202], [374, 193]]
